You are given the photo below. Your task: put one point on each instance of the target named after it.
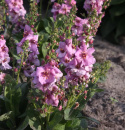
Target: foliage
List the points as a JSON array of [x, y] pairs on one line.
[[112, 27]]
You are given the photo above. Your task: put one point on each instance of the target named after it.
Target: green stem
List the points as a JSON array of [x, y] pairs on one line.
[[47, 8], [20, 68], [48, 117], [41, 8]]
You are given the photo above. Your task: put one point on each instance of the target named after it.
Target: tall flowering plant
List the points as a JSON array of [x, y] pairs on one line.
[[47, 68]]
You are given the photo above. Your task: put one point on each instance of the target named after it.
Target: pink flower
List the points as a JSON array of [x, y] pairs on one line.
[[3, 47], [80, 22], [33, 39], [78, 30], [64, 9], [14, 3], [5, 62], [44, 75], [61, 50], [52, 99], [56, 8], [70, 2], [48, 74], [17, 13], [4, 56], [33, 58], [28, 70], [52, 0], [65, 60], [77, 67], [27, 30], [91, 5], [65, 48], [85, 55]]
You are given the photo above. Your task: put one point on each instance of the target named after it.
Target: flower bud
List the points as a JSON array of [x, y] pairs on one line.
[[85, 91], [42, 62], [91, 41], [77, 105], [60, 108], [2, 37], [32, 26], [24, 63], [53, 50], [15, 70], [85, 97], [47, 57]]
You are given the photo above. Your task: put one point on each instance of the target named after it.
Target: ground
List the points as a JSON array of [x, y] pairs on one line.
[[110, 114]]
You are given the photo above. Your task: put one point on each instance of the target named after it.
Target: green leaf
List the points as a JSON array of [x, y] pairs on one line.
[[16, 56], [120, 28], [59, 127], [84, 123], [80, 128], [75, 123], [67, 114], [107, 27], [40, 26], [6, 116], [60, 22], [24, 88], [55, 120], [72, 124], [47, 29], [98, 90], [44, 49], [117, 10], [24, 124], [34, 123], [43, 37], [113, 99], [9, 124], [68, 124], [92, 119], [115, 2], [12, 96], [34, 120], [73, 113], [51, 18], [47, 25]]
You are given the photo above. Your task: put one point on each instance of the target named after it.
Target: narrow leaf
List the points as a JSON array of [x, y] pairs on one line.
[[55, 120], [6, 116], [24, 124]]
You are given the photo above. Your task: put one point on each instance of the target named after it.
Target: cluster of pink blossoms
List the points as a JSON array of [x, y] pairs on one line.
[[16, 12], [62, 9], [80, 28], [32, 49], [78, 61], [45, 78], [4, 56], [91, 5]]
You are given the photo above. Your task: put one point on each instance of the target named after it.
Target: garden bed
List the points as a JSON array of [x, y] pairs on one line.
[[110, 114]]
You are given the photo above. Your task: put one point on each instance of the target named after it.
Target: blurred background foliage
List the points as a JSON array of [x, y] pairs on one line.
[[113, 24]]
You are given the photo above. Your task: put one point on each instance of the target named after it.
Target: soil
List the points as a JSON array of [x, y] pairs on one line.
[[110, 114]]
